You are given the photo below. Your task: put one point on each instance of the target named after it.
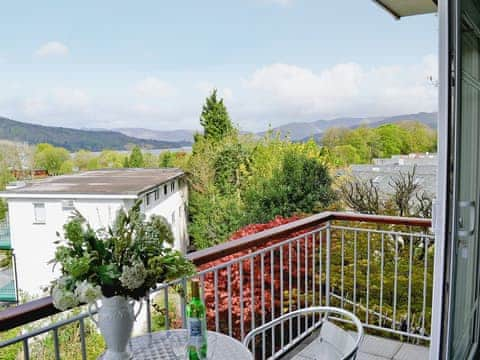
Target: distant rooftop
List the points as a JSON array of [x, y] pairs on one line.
[[383, 171], [127, 182]]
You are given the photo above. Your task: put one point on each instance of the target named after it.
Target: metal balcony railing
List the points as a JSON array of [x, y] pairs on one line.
[[380, 268]]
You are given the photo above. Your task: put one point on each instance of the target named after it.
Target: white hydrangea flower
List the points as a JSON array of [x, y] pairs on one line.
[[133, 276], [87, 293], [64, 299], [62, 282]]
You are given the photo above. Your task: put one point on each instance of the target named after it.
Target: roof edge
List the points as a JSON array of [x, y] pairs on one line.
[[13, 195], [387, 9]]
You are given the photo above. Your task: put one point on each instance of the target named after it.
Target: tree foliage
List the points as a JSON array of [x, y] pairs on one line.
[[243, 180], [300, 185], [361, 145], [215, 119], [135, 160], [52, 159]]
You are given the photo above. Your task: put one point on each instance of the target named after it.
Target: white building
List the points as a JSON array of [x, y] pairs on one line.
[[38, 210]]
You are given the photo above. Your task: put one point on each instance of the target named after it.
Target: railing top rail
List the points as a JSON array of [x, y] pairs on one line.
[[41, 308], [231, 247]]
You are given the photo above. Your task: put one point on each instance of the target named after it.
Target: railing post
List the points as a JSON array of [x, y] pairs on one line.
[[327, 265], [183, 303], [149, 312]]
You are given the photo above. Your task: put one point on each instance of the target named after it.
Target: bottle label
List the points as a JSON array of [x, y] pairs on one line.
[[195, 326]]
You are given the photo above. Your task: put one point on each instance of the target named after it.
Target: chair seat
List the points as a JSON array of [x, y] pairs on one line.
[[319, 350], [331, 344]]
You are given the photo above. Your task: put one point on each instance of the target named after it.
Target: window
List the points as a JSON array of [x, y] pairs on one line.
[[165, 190], [39, 213], [68, 205], [150, 196], [157, 194], [172, 186]]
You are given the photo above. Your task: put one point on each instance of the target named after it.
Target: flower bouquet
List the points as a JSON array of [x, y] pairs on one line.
[[116, 265]]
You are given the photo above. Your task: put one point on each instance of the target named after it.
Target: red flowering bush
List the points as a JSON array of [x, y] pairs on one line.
[[243, 279]]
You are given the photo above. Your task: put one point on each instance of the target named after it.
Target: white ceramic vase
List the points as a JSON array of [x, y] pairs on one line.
[[115, 321]]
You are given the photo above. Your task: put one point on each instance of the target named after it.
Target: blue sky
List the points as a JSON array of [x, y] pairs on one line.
[[151, 63]]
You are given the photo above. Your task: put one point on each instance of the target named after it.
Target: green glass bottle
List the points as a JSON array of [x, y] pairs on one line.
[[196, 325]]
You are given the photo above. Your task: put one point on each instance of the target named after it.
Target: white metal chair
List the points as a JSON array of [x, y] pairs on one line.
[[332, 343]]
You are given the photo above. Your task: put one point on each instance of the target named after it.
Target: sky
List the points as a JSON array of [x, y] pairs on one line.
[[150, 64]]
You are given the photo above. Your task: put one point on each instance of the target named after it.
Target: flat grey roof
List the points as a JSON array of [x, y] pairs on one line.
[[99, 182]]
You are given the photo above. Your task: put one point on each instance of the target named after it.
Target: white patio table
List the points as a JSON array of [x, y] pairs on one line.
[[170, 344]]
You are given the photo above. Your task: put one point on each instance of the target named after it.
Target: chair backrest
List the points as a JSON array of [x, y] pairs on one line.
[[340, 339]]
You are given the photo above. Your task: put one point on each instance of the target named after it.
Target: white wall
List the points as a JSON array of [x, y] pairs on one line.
[[34, 246], [173, 208]]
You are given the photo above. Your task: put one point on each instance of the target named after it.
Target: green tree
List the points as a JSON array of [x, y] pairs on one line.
[[343, 155], [136, 158], [50, 158], [420, 138], [301, 185], [214, 218], [109, 159], [228, 168], [392, 140], [215, 119], [166, 159], [150, 160], [66, 168], [83, 159]]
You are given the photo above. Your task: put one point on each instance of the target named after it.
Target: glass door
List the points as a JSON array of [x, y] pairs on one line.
[[466, 192]]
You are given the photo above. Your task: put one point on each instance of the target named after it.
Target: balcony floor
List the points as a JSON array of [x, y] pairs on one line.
[[373, 348]]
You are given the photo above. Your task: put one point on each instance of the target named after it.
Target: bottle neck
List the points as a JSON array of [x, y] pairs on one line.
[[195, 290]]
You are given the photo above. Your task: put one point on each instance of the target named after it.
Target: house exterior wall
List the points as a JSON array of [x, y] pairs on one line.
[[173, 208], [33, 243]]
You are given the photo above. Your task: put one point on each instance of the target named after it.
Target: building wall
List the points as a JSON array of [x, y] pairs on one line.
[[34, 245], [172, 207]]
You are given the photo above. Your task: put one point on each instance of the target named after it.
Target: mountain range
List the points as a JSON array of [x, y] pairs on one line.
[[297, 131], [75, 139], [161, 135], [122, 138]]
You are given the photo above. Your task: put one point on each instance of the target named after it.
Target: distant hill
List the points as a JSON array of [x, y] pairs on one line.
[[305, 130], [74, 139], [161, 135]]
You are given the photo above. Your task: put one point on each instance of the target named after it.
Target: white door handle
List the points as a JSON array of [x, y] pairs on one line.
[[470, 205]]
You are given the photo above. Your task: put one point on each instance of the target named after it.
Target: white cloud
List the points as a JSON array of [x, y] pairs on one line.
[[56, 101], [152, 87], [274, 94], [52, 48], [206, 88], [291, 93]]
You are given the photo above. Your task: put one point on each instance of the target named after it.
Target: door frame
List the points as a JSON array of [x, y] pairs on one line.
[[450, 21], [448, 57]]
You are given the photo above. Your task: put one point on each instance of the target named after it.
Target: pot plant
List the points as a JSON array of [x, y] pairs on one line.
[[115, 266]]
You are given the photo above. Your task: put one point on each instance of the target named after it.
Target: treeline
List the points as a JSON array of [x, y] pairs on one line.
[[359, 146]]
